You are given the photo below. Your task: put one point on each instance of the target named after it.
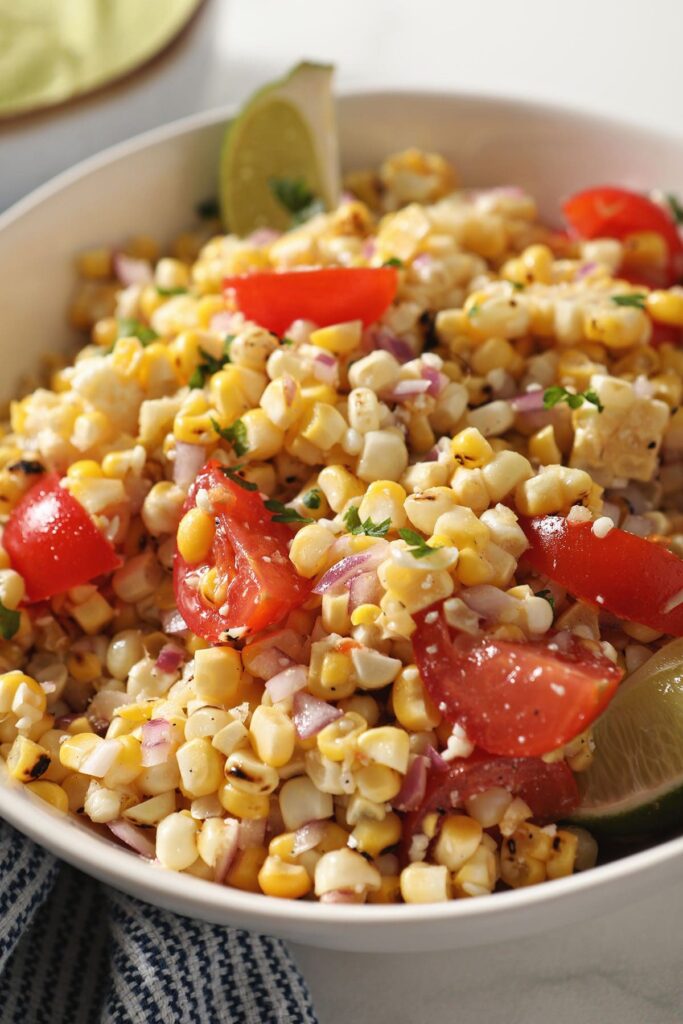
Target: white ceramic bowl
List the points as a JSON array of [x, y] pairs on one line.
[[150, 185]]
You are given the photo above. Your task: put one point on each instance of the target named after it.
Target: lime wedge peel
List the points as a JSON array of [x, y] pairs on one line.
[[635, 782], [286, 130]]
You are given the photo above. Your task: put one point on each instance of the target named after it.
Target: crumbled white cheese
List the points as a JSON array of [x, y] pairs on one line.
[[458, 744], [418, 847], [578, 514], [602, 526]]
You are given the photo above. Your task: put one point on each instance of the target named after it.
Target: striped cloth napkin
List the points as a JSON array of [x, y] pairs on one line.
[[73, 951]]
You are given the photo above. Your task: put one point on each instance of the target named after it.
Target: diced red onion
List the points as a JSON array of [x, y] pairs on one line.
[[397, 347], [300, 331], [311, 714], [134, 837], [436, 760], [288, 388], [105, 702], [130, 270], [307, 837], [530, 401], [189, 459], [173, 623], [64, 721], [437, 380], [340, 575], [263, 236], [269, 662], [423, 262], [223, 322], [252, 832], [100, 760], [407, 389], [369, 248], [157, 737], [585, 270], [487, 601], [325, 369], [431, 456], [364, 589], [412, 792], [170, 658], [286, 684], [227, 848], [342, 896]]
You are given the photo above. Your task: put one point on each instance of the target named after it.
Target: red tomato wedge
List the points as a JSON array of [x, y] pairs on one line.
[[550, 790], [259, 583], [516, 700], [631, 577], [332, 295], [53, 543], [609, 212]]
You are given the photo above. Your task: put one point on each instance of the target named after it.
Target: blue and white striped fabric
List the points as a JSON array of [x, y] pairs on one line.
[[73, 951]]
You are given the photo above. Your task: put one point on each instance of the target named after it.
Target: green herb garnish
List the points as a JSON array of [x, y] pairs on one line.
[[547, 596], [296, 197], [353, 524], [210, 364], [393, 262], [311, 499], [171, 291], [675, 206], [284, 513], [553, 396], [419, 548], [635, 299], [286, 341], [517, 285], [9, 621], [208, 209], [130, 328], [473, 310], [235, 434], [232, 473]]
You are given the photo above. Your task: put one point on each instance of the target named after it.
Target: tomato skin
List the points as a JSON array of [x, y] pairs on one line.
[[606, 211], [550, 790], [250, 553], [53, 543], [330, 295], [634, 577], [513, 699]]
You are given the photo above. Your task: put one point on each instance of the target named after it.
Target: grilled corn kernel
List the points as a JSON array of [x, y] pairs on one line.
[[301, 801], [75, 749], [372, 837], [388, 892], [563, 855], [339, 338], [51, 793], [339, 739], [532, 841], [516, 871], [666, 307], [477, 877], [201, 767], [555, 489], [346, 870], [384, 499], [309, 549], [244, 870], [458, 840], [217, 675], [84, 666], [152, 811], [425, 883], [273, 735], [243, 805], [471, 449], [504, 473], [339, 486], [176, 841], [378, 783], [286, 881], [196, 532], [248, 774], [543, 447], [386, 745], [489, 807], [412, 707], [27, 761], [336, 680]]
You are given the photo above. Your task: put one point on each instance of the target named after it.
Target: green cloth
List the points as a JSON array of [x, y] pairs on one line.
[[51, 50]]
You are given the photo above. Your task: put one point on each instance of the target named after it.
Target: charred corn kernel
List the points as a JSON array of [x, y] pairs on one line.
[[458, 840], [263, 438], [84, 666], [666, 307], [176, 841], [243, 805], [248, 774], [543, 447], [532, 841], [477, 877], [386, 745], [244, 870], [339, 486], [372, 837], [27, 761], [471, 449], [489, 807], [516, 871], [301, 801], [365, 614], [339, 338], [364, 412], [412, 707], [323, 426], [75, 749], [555, 489], [201, 767], [51, 741], [273, 735], [84, 469], [152, 811], [563, 855], [217, 675], [345, 869], [389, 890], [384, 499], [470, 489], [284, 880], [425, 883], [425, 507], [309, 549], [196, 532], [378, 783], [51, 793], [339, 739]]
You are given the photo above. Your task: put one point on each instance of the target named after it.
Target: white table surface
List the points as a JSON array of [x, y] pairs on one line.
[[619, 57]]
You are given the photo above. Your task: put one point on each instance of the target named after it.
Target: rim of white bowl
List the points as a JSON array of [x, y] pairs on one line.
[[74, 844]]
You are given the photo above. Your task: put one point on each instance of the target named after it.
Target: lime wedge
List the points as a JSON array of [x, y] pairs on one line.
[[635, 782], [285, 133]]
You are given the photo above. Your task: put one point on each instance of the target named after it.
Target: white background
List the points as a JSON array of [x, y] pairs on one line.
[[618, 57]]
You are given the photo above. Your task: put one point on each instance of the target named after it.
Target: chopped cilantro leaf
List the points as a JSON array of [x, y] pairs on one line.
[[553, 396], [635, 299], [296, 197], [232, 473], [236, 435], [286, 341], [9, 621], [210, 364], [675, 206], [419, 548], [353, 524], [171, 291], [393, 262], [208, 209], [517, 285], [285, 514], [547, 596], [130, 328], [311, 499], [473, 310]]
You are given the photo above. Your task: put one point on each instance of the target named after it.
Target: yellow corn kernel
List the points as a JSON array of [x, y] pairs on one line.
[[339, 486], [334, 838], [562, 858], [389, 890], [244, 870], [471, 449], [93, 614], [17, 686], [458, 840], [309, 550], [95, 264], [365, 614], [128, 763], [384, 499], [666, 307], [282, 846], [339, 338], [287, 881], [339, 739], [372, 837], [538, 263], [518, 872], [201, 767], [196, 532], [473, 568], [493, 354], [75, 749], [645, 249], [618, 327], [425, 883], [76, 787], [412, 706], [477, 877], [335, 613], [248, 774], [387, 746], [323, 426], [195, 428], [84, 666], [543, 447], [84, 469], [336, 679], [27, 760], [532, 841], [226, 397], [264, 439], [51, 793], [556, 489], [273, 735], [79, 725], [243, 805]]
